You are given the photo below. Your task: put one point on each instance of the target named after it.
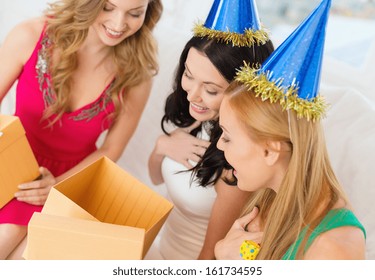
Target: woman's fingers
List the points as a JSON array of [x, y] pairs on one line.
[[202, 143], [245, 220], [183, 147], [35, 196], [36, 192], [199, 151], [193, 126]]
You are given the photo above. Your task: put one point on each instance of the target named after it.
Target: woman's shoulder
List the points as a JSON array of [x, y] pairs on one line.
[[29, 30], [346, 242], [344, 239], [24, 36]]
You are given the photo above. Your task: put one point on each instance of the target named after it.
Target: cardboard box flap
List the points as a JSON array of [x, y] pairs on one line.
[[58, 238], [58, 204], [65, 198], [11, 129]]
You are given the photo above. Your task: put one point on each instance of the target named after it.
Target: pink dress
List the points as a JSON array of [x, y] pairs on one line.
[[67, 142]]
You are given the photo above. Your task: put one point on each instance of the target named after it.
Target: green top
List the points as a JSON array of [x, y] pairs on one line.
[[335, 218]]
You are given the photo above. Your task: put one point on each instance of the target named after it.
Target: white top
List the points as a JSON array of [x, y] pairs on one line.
[[183, 234]]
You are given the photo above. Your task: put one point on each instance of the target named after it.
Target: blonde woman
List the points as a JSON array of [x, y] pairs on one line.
[[83, 68], [273, 138], [298, 195]]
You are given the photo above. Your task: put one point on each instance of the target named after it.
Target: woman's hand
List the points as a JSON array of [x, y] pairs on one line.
[[244, 228], [182, 147], [36, 192]]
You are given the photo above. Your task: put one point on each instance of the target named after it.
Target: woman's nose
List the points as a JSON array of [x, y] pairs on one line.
[[194, 94], [119, 22], [219, 144]]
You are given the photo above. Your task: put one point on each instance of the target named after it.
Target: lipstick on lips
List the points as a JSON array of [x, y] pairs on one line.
[[198, 109]]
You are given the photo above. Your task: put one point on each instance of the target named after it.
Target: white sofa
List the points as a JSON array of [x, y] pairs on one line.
[[347, 82]]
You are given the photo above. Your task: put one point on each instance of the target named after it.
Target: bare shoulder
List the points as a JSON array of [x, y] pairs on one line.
[[343, 243], [30, 28], [22, 39]]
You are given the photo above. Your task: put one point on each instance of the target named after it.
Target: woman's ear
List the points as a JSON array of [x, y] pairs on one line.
[[272, 152]]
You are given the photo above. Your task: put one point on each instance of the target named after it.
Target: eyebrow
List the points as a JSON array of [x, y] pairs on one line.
[[206, 83]]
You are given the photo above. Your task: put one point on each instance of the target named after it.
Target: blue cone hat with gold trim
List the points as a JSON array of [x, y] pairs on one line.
[[291, 74], [235, 22]]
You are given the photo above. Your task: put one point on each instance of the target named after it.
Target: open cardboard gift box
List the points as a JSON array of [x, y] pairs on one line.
[[17, 161], [101, 212]]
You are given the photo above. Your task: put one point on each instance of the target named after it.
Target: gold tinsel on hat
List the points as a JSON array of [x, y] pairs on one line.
[[313, 109], [249, 38]]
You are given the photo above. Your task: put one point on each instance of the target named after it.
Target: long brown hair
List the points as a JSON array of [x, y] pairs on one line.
[[68, 22]]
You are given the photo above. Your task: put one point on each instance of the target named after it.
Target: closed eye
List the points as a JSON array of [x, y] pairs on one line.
[[136, 14], [211, 92], [225, 140], [187, 75], [107, 8]]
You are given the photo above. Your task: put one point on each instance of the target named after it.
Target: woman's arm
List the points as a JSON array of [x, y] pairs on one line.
[[117, 138], [16, 50], [179, 146], [226, 209], [155, 160]]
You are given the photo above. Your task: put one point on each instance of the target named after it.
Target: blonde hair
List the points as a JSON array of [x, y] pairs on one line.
[[309, 188], [135, 58]]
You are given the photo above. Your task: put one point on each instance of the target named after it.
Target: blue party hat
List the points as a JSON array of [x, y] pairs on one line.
[[233, 21], [291, 74]]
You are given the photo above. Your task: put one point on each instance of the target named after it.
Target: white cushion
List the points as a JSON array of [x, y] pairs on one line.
[[350, 135]]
